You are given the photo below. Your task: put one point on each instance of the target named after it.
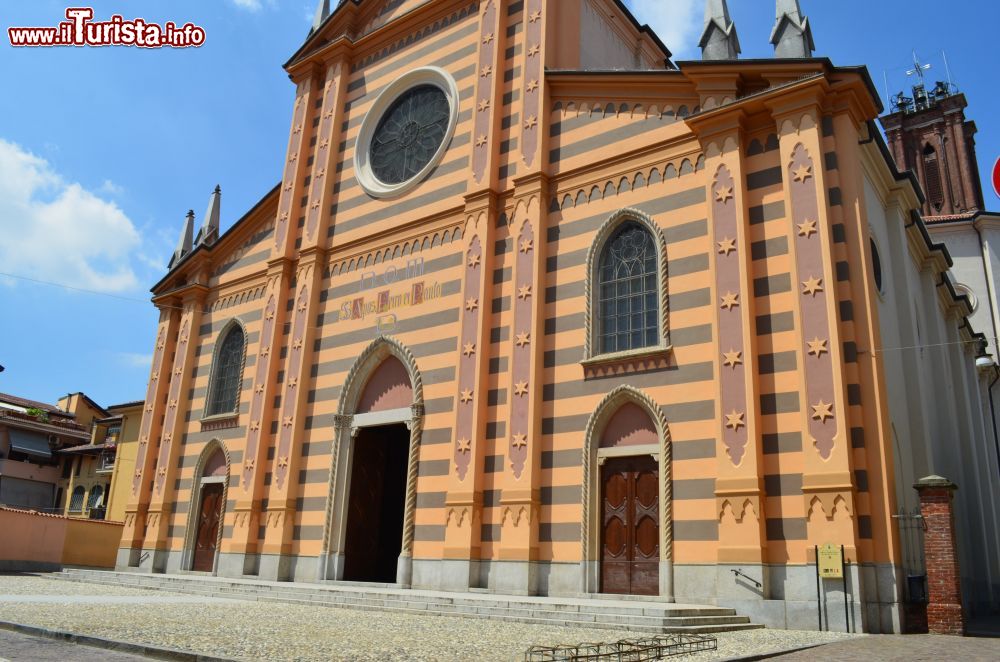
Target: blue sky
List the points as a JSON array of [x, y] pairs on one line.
[[103, 151]]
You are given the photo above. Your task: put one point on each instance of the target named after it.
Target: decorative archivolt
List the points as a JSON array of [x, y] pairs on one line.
[[191, 530], [603, 413], [618, 184], [235, 299], [412, 38], [377, 351], [629, 110], [400, 249]]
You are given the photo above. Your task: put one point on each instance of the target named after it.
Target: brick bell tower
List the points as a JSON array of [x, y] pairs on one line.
[[928, 134]]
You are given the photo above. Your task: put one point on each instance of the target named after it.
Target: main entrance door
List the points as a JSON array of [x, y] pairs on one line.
[[207, 536], [630, 526], [376, 503]]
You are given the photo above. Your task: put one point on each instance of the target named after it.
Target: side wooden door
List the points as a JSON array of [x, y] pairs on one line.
[[207, 537], [630, 531]]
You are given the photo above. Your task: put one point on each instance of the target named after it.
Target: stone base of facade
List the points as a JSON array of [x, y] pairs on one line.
[[785, 599]]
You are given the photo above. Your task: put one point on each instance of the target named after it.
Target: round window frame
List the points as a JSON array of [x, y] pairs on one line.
[[362, 164]]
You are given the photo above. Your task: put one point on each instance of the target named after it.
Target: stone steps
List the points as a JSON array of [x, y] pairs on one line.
[[603, 613]]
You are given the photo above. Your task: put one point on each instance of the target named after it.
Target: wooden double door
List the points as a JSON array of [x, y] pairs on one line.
[[207, 535], [630, 526]]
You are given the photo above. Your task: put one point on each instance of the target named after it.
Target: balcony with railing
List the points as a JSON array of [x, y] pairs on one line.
[[106, 462]]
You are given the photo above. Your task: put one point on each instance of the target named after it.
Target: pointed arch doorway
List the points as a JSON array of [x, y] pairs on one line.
[[208, 507], [371, 507], [627, 523]]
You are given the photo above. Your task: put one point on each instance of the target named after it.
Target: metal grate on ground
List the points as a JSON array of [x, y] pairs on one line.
[[626, 650]]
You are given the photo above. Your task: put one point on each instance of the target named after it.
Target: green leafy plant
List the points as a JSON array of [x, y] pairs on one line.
[[38, 414]]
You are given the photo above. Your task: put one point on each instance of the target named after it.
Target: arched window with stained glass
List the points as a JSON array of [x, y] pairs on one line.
[[628, 298], [227, 373]]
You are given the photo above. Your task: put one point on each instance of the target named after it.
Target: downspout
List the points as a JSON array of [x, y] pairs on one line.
[[989, 293]]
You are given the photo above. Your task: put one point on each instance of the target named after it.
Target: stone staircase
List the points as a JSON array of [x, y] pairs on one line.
[[604, 612]]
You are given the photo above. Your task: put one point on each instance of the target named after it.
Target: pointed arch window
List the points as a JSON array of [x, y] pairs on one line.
[[224, 389], [627, 292], [932, 175]]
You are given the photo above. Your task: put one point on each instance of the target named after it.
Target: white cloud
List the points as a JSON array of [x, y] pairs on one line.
[[111, 188], [678, 23], [249, 5], [55, 230], [134, 360]]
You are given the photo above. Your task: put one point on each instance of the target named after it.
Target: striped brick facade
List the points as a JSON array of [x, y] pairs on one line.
[[509, 390]]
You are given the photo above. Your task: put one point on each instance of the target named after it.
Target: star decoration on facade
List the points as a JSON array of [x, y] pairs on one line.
[[488, 38], [166, 438], [324, 144], [822, 411], [284, 214], [481, 141], [466, 396], [534, 50], [817, 347], [288, 187], [523, 339], [179, 370], [248, 465], [328, 114], [264, 351], [143, 441], [534, 16], [293, 158], [521, 388], [297, 129], [532, 85], [469, 349], [802, 173], [812, 286], [471, 304], [464, 445], [727, 246], [527, 245], [159, 345], [293, 382], [162, 471], [730, 300], [735, 420], [486, 71], [255, 425], [297, 344], [260, 388], [320, 173], [283, 461], [138, 473], [315, 204], [484, 105], [302, 305], [732, 358], [520, 440], [474, 260], [149, 407], [524, 292], [287, 422], [530, 122], [155, 376], [172, 404], [807, 229], [724, 193], [269, 314]]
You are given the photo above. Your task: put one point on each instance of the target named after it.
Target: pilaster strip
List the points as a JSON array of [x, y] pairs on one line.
[[532, 80], [489, 37], [295, 153], [521, 351], [320, 181], [265, 356], [468, 382]]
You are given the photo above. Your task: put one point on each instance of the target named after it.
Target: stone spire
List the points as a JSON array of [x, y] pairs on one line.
[[719, 40], [322, 11], [792, 36], [184, 245], [209, 231]]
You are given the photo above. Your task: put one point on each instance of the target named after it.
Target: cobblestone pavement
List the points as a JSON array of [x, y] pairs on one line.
[[275, 631], [17, 647], [879, 648]]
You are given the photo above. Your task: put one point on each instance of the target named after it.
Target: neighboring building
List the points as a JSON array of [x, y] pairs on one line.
[[31, 433], [542, 313], [123, 457], [929, 135], [95, 474]]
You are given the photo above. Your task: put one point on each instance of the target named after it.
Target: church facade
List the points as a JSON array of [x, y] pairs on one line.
[[533, 309]]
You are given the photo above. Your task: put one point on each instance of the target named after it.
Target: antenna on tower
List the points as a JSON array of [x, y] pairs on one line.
[[947, 69]]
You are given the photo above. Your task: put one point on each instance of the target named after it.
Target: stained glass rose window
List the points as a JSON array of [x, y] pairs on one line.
[[409, 134]]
